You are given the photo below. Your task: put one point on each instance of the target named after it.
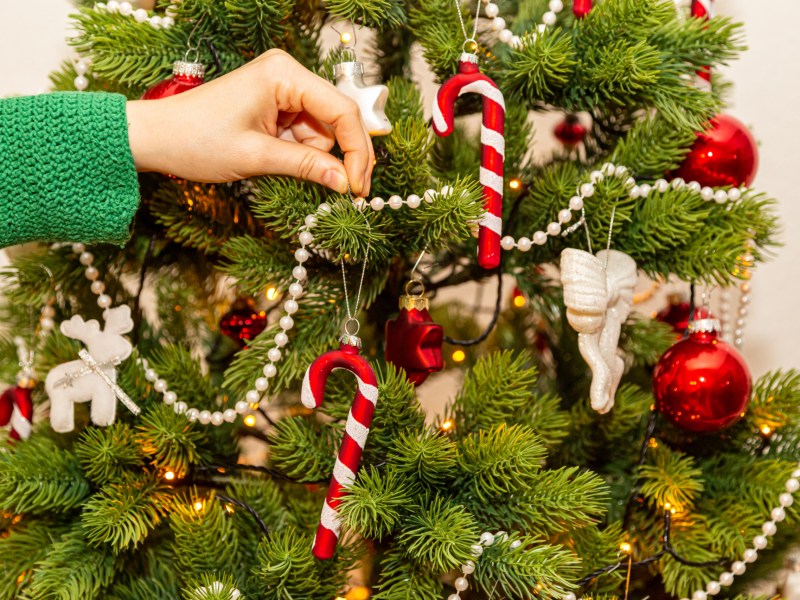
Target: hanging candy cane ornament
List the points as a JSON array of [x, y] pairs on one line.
[[16, 408], [469, 79], [355, 436], [701, 9]]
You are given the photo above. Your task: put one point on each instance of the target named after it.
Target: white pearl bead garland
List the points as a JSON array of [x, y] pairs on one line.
[[586, 190], [140, 15], [769, 528], [505, 35], [126, 9], [161, 386]]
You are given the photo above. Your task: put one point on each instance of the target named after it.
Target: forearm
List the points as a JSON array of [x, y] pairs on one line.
[[66, 170]]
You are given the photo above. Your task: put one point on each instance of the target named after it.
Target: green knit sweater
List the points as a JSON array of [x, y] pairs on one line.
[[66, 170]]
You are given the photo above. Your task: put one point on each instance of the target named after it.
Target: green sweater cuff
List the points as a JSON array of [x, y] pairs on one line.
[[66, 169]]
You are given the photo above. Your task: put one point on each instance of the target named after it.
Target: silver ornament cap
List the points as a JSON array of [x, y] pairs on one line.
[[188, 69], [704, 326]]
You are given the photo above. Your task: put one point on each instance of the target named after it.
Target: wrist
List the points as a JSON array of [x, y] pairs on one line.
[[148, 134]]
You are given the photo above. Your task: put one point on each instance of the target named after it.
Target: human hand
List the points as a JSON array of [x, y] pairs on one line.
[[270, 117]]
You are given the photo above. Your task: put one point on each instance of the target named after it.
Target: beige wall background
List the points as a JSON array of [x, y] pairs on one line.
[[766, 96]]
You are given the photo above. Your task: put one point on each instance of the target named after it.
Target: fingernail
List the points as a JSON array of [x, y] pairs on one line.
[[336, 180]]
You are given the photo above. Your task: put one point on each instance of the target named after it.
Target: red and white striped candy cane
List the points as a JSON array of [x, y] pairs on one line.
[[701, 9], [493, 147], [16, 407], [355, 434]]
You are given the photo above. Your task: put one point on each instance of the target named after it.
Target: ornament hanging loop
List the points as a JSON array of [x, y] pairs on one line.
[[470, 46], [412, 282], [355, 323]]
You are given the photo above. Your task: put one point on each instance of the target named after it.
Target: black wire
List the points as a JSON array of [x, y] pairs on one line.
[[214, 54], [248, 508], [257, 469], [492, 323], [137, 315], [691, 307]]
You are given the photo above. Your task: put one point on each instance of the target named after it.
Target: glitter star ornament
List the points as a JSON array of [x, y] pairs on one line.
[[371, 99]]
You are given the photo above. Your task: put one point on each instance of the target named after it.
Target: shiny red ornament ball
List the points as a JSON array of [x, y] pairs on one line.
[[414, 340], [581, 8], [726, 154], [185, 76], [243, 322], [570, 131], [702, 384], [678, 312]]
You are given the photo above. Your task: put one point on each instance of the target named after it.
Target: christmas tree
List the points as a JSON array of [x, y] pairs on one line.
[[558, 470]]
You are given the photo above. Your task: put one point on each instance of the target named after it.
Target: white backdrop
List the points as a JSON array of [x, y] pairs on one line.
[[766, 97]]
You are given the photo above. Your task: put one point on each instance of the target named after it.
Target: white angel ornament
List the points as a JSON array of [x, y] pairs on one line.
[[598, 294]]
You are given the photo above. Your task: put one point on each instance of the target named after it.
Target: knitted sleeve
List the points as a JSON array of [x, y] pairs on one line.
[[66, 170]]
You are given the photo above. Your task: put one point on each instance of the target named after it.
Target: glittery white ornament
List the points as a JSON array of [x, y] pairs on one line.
[[371, 99], [92, 378], [598, 293]]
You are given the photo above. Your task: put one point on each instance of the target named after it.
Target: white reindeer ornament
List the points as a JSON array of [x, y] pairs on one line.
[[93, 377], [598, 294]]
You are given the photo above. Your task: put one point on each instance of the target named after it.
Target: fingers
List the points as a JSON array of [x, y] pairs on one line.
[[305, 129], [300, 90], [281, 157]]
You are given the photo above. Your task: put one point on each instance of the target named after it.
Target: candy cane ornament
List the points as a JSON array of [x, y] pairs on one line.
[[356, 430], [16, 408], [469, 79], [701, 9]]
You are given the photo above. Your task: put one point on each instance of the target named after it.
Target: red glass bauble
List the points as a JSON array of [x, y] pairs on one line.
[[570, 131], [724, 155], [16, 408], [243, 322], [185, 76], [678, 312], [414, 340], [702, 384], [581, 8]]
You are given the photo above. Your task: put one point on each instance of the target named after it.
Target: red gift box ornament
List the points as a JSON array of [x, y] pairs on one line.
[[414, 339]]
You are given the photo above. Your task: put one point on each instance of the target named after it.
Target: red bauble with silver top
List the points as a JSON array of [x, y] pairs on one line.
[[702, 384], [679, 313], [185, 76], [726, 154], [570, 131]]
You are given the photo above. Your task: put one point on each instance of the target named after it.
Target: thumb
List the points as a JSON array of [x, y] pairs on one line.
[[281, 157]]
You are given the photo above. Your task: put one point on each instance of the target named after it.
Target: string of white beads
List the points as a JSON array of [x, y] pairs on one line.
[[81, 80], [160, 385], [505, 35], [636, 191], [468, 568], [140, 15], [768, 529]]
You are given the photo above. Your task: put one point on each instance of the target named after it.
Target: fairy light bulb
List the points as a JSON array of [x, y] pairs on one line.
[[272, 293], [169, 475], [346, 38], [447, 425], [625, 548], [198, 505], [459, 356], [250, 420], [515, 184]]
